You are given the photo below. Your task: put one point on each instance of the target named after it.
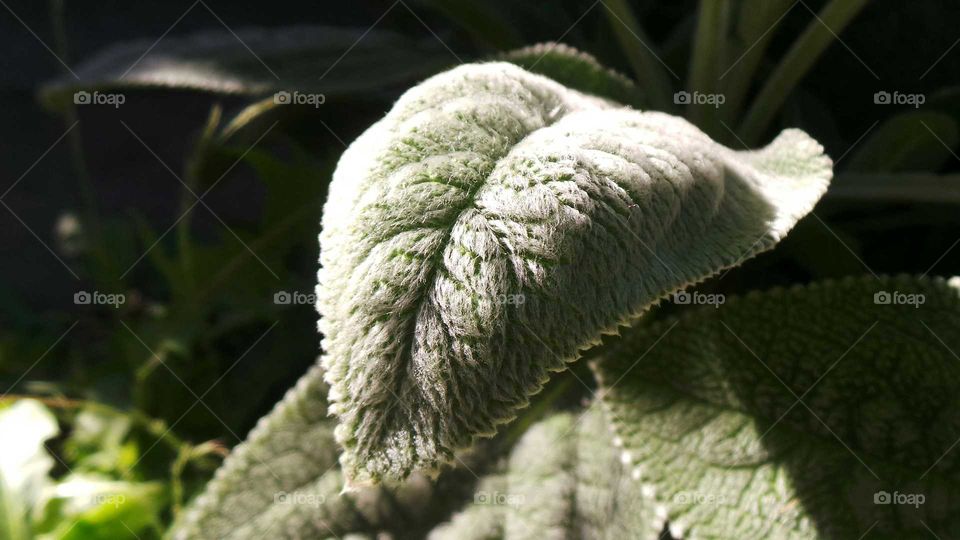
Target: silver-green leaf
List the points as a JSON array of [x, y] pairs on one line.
[[821, 411], [496, 223]]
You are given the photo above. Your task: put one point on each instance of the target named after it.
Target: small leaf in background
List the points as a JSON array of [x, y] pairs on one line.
[[94, 507], [285, 59], [25, 464], [494, 224], [97, 441], [819, 411], [576, 70]]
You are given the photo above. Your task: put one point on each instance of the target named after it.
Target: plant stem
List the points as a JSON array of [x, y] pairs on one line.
[[709, 51], [652, 74], [193, 171], [93, 229], [736, 78], [803, 54]]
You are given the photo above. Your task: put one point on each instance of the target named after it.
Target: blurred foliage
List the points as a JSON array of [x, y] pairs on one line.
[[139, 402]]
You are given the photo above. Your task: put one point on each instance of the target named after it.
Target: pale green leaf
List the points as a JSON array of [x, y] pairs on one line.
[[24, 464], [821, 411], [496, 223], [94, 507]]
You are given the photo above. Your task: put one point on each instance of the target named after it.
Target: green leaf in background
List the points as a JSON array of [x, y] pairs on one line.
[[819, 411], [304, 58], [913, 141], [24, 464], [98, 441], [94, 507], [564, 479], [576, 70], [494, 224], [915, 187]]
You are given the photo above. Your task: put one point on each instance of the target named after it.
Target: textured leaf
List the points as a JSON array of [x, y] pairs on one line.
[[494, 224], [707, 411], [257, 61], [576, 70], [564, 479], [285, 482]]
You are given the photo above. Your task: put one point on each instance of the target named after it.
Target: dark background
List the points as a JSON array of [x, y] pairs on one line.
[[899, 41]]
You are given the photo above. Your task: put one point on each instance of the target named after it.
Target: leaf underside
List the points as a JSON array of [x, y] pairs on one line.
[[787, 414], [496, 223]]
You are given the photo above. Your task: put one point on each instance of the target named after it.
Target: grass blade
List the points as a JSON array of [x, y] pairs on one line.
[[804, 53], [652, 73]]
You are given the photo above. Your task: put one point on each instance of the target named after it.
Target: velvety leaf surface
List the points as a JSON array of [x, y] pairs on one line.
[[494, 224], [823, 411]]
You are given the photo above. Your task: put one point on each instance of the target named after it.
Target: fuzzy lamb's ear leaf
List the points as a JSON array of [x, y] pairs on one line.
[[496, 223], [823, 411]]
